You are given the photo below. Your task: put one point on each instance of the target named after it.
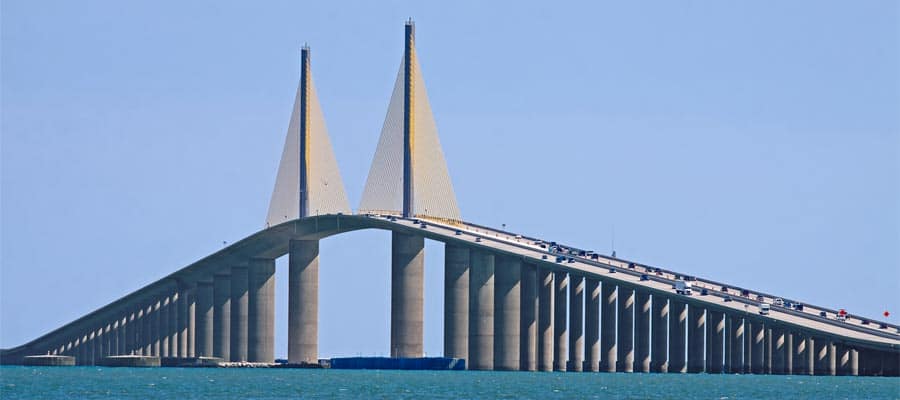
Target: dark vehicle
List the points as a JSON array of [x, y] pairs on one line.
[[865, 322], [882, 326], [571, 260], [798, 307], [704, 292], [727, 299], [415, 221], [582, 253], [543, 246], [644, 277], [677, 277], [724, 289], [612, 270], [760, 298], [423, 226], [631, 265], [823, 314], [745, 293], [595, 257], [544, 257], [478, 239], [393, 219], [788, 304], [553, 244], [458, 232], [560, 259]]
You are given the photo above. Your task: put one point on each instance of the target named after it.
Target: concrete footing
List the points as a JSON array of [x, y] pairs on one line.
[[131, 361], [49, 361]]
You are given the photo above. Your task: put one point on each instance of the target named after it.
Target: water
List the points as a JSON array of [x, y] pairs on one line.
[[220, 383]]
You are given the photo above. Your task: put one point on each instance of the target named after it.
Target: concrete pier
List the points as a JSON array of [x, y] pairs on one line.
[[659, 335], [163, 326], [608, 350], [779, 346], [261, 311], [696, 357], [146, 330], [182, 322], [221, 315], [560, 327], [592, 325], [239, 313], [528, 327], [576, 323], [625, 325], [407, 295], [546, 308], [456, 301], [154, 329], [716, 341], [481, 311], [642, 313], [192, 323], [204, 319], [678, 321], [129, 333], [788, 352], [820, 350], [507, 313], [303, 301], [757, 346], [734, 342]]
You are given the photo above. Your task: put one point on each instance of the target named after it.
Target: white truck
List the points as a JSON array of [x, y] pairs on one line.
[[764, 309], [682, 287]]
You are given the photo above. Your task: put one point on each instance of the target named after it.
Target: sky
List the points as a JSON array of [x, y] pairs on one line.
[[756, 143]]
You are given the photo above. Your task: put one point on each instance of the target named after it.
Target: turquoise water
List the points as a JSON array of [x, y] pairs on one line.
[[220, 383]]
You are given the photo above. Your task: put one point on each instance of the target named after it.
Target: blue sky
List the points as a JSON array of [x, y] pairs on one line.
[[751, 142]]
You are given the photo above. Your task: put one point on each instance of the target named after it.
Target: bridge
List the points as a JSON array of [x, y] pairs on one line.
[[511, 302]]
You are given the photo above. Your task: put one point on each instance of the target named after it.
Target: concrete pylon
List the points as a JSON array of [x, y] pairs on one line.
[[608, 350], [734, 342], [456, 301], [546, 308], [625, 325], [715, 341], [696, 357], [407, 295], [779, 347], [222, 315], [529, 313], [678, 322], [507, 310], [659, 335], [261, 311], [757, 346], [481, 311], [240, 308], [183, 319], [642, 313], [303, 301], [560, 326], [576, 323], [592, 325], [204, 317]]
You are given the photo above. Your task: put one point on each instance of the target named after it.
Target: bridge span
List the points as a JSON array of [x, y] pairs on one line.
[[511, 302]]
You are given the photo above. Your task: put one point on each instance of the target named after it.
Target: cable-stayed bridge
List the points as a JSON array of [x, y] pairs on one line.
[[511, 302]]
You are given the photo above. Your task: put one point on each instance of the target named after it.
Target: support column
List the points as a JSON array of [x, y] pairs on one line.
[[642, 331], [456, 301], [788, 352], [528, 341], [303, 302], [481, 311], [546, 308], [696, 330], [146, 335], [778, 350], [240, 308], [576, 323], [854, 363], [734, 335], [832, 359], [182, 305], [560, 328], [608, 327], [407, 295], [625, 324], [203, 315], [192, 323], [507, 310], [757, 347], [592, 325], [222, 316], [261, 311], [715, 340], [799, 351], [843, 359], [678, 322], [659, 335], [164, 325], [820, 349], [129, 333]]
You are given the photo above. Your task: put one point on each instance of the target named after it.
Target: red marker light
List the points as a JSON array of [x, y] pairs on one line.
[[887, 314]]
